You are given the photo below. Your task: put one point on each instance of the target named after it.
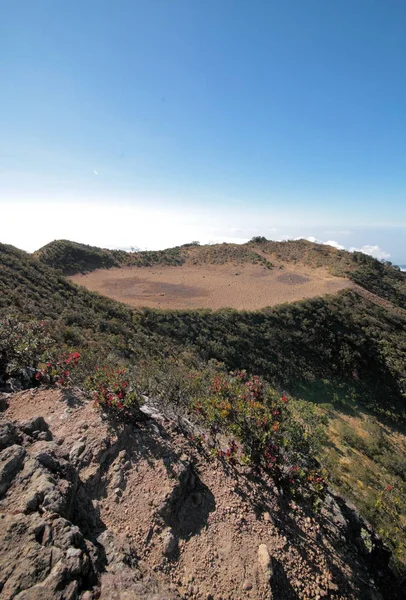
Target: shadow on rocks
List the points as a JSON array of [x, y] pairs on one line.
[[280, 585], [187, 507]]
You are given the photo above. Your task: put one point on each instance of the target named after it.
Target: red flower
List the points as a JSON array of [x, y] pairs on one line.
[[284, 399], [388, 488]]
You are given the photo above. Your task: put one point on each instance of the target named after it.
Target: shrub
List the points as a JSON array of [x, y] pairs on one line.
[[112, 391], [58, 372], [390, 506], [23, 345], [258, 239], [270, 438]]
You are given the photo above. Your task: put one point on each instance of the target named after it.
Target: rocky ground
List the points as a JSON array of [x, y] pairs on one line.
[[90, 510]]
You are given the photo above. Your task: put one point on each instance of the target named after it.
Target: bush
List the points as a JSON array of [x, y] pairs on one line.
[[58, 372], [112, 391], [270, 437], [258, 239], [23, 345]]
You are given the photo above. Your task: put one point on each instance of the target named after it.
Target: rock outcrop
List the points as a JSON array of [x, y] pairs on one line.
[[90, 509]]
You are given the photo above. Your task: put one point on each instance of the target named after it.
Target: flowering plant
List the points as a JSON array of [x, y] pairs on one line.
[[58, 371], [268, 435], [111, 389]]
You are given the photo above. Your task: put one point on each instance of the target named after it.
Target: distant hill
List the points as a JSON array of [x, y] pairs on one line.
[[382, 279], [71, 257], [32, 289]]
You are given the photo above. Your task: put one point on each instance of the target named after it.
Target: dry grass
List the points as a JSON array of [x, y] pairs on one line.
[[243, 287]]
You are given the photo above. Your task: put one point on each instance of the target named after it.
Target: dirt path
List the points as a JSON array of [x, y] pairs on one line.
[[247, 287]]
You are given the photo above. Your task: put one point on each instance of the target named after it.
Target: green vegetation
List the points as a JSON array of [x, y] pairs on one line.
[[341, 359], [271, 436], [21, 345], [220, 254], [76, 317], [366, 462], [71, 257], [111, 389], [344, 339]]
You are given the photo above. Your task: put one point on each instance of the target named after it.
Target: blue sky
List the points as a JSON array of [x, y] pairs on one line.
[[150, 122]]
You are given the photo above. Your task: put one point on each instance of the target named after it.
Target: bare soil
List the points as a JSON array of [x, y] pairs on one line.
[[150, 484], [243, 287]]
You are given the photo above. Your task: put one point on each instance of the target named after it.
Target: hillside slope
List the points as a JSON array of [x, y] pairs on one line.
[[78, 317], [343, 336], [344, 356], [89, 511]]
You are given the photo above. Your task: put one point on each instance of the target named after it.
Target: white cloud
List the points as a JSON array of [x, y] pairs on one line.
[[334, 244], [314, 240], [30, 225], [374, 251]]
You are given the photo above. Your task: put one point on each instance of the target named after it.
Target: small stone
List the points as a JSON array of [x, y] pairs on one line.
[[169, 543], [12, 461], [264, 560], [32, 502], [247, 585], [267, 517]]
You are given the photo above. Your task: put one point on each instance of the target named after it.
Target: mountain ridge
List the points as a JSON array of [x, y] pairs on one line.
[[382, 279]]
